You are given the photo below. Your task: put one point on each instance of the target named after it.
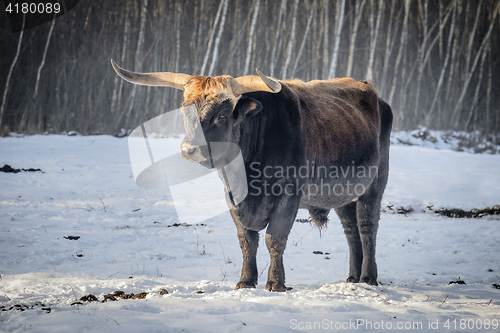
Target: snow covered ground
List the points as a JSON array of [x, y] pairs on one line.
[[130, 240]]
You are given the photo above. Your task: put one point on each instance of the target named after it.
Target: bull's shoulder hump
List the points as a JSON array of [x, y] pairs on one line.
[[335, 91], [333, 87]]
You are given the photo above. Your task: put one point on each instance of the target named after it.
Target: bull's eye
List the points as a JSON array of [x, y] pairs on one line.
[[220, 119]]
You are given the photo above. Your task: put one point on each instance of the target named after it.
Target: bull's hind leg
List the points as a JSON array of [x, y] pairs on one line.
[[347, 215], [249, 241], [276, 276], [368, 214]]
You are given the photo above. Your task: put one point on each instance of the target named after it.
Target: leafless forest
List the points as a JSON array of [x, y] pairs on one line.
[[437, 62]]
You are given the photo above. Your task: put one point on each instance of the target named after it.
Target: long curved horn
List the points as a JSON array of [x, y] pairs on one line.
[[158, 79], [250, 83]]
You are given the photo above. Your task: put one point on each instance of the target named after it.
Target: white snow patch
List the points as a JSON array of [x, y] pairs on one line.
[[129, 241]]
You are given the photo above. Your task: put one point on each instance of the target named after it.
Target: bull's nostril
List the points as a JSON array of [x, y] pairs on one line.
[[188, 149], [192, 153]]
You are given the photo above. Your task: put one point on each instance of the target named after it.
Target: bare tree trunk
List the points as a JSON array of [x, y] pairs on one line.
[[445, 64], [489, 127], [315, 47], [304, 39], [470, 74], [277, 41], [118, 83], [326, 40], [11, 69], [140, 41], [440, 9], [472, 118], [217, 40], [199, 35], [138, 60], [424, 13], [358, 14], [373, 36], [389, 46], [234, 57], [291, 40], [402, 47], [39, 71], [250, 38], [339, 22], [471, 37], [211, 38], [178, 15]]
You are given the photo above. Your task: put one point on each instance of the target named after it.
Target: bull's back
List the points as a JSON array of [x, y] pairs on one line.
[[340, 120]]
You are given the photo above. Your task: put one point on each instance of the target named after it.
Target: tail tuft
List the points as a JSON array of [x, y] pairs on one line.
[[319, 216]]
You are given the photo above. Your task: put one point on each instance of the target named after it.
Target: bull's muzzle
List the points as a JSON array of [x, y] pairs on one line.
[[192, 153]]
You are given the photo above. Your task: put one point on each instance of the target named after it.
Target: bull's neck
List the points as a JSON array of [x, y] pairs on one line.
[[273, 136]]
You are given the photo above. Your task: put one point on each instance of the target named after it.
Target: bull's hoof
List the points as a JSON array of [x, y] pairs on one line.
[[244, 285], [369, 280], [352, 279], [275, 286]]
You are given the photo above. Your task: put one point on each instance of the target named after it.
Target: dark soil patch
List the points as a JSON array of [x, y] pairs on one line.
[[447, 212], [72, 237], [473, 213], [8, 169], [88, 298], [162, 291], [457, 282], [184, 224], [24, 307], [116, 296], [399, 210]]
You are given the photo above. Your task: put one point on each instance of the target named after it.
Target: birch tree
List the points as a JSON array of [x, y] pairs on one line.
[[445, 64], [304, 39], [211, 38], [277, 39], [339, 22], [435, 61], [373, 36], [217, 40], [250, 37], [44, 56], [402, 48], [470, 73], [291, 40], [11, 69], [358, 14], [326, 40]]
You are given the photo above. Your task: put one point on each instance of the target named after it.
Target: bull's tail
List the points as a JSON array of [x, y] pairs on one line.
[[319, 216]]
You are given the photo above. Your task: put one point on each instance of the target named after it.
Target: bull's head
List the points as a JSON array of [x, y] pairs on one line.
[[220, 108]]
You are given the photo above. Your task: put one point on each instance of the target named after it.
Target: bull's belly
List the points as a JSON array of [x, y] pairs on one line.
[[332, 193]]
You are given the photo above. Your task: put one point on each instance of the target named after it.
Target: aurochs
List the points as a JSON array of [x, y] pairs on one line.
[[322, 124]]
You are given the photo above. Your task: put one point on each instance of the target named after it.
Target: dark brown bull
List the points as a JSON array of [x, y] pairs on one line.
[[316, 145]]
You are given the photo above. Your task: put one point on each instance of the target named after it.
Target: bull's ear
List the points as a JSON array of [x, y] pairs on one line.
[[246, 107]]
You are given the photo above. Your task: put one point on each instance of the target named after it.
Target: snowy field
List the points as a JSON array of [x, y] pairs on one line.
[[83, 227]]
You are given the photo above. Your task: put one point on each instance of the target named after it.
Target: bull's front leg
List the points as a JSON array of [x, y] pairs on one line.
[[279, 227], [249, 241]]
